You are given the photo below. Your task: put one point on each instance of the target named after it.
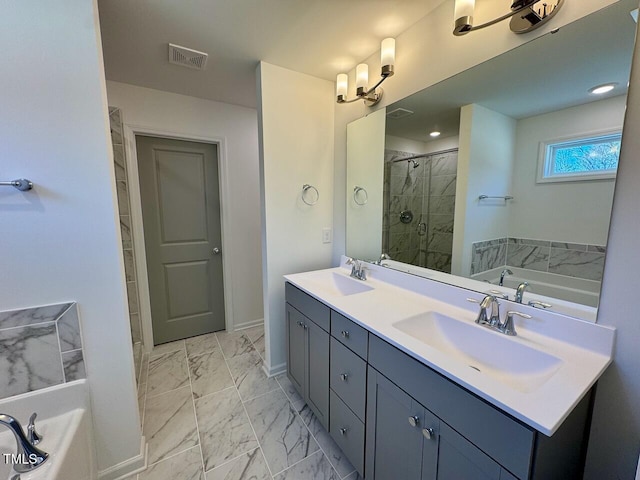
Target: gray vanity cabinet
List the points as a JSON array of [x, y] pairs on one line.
[[308, 352], [395, 418], [296, 346], [405, 440], [395, 445]]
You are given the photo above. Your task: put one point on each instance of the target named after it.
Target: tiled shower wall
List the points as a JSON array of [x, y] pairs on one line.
[[569, 259], [117, 140], [39, 347], [428, 191]]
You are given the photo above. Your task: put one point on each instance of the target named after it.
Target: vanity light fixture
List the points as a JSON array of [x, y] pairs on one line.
[[526, 15], [372, 95], [434, 134], [600, 89]]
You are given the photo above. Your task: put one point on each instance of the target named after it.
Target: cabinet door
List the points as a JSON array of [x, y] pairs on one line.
[[296, 348], [459, 459], [430, 428], [393, 446], [317, 374]]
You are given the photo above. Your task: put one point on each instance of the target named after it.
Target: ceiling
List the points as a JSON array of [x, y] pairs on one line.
[[317, 37], [552, 72]]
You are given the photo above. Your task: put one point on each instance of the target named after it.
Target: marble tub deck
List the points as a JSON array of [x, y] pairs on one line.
[[210, 413]]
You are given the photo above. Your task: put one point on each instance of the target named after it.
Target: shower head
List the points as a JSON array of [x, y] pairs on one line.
[[415, 164]]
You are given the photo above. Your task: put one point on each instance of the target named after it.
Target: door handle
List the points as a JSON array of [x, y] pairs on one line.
[[215, 251]]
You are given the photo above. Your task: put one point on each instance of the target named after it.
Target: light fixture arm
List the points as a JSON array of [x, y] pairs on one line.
[[464, 25], [373, 95], [487, 24]]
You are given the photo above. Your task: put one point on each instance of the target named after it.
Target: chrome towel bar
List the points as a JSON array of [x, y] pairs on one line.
[[21, 184], [502, 197]]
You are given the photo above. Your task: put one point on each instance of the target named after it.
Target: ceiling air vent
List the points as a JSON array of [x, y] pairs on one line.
[[187, 57], [399, 113]]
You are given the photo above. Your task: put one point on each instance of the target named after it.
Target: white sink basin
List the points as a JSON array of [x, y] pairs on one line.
[[502, 358], [337, 284]]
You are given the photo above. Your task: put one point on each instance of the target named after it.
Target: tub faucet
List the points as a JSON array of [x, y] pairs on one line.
[[504, 273], [520, 291], [27, 457], [383, 257]]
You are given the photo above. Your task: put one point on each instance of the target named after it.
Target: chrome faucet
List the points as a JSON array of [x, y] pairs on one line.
[[520, 291], [508, 327], [493, 321], [28, 457], [504, 273], [358, 270], [484, 318]]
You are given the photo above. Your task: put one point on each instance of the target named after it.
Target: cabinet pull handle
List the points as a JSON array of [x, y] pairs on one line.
[[343, 431], [343, 377], [414, 421], [428, 433], [345, 333]]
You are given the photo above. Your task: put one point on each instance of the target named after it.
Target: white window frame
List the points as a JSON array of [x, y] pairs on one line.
[[545, 166]]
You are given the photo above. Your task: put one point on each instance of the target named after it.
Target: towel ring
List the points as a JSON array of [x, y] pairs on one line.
[[356, 191], [306, 187]]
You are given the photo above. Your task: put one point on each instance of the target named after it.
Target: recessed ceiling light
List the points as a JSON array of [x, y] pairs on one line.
[[600, 89], [435, 134]]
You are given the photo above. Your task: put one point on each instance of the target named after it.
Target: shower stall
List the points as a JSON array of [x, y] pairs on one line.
[[419, 206]]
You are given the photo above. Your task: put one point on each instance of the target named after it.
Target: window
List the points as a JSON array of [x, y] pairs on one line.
[[592, 157]]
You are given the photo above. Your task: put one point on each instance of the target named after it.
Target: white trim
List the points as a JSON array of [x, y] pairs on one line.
[[251, 324], [133, 465], [275, 370], [135, 203], [577, 177]]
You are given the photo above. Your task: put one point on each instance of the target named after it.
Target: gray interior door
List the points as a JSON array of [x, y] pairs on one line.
[[181, 216]]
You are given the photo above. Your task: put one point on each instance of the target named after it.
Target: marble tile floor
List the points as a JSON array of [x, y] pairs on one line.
[[210, 413]]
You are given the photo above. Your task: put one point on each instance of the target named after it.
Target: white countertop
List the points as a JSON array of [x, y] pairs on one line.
[[585, 349]]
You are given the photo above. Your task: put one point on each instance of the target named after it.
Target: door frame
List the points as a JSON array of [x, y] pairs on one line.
[[135, 203]]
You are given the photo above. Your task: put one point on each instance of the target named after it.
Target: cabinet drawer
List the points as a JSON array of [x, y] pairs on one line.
[[348, 377], [503, 438], [348, 432], [350, 334], [313, 309]]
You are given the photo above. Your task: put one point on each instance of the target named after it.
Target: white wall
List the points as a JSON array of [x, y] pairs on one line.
[[391, 142], [365, 147], [614, 443], [442, 144], [412, 146], [238, 127], [426, 54], [485, 165], [575, 212], [296, 115], [61, 241]]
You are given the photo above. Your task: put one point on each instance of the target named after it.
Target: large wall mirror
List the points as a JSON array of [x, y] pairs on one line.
[[504, 173]]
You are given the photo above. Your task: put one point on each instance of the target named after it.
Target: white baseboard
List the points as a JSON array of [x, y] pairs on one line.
[[129, 467], [275, 370], [251, 324]]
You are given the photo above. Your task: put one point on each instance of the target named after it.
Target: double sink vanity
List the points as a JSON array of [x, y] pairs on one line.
[[409, 386]]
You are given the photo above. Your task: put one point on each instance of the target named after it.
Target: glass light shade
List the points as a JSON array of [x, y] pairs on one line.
[[464, 8], [388, 52], [342, 84], [362, 76]]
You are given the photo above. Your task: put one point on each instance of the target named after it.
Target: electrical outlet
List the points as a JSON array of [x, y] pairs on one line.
[[326, 235]]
